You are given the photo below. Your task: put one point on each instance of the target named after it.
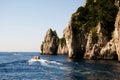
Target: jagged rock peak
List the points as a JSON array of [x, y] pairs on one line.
[[50, 43], [50, 32]]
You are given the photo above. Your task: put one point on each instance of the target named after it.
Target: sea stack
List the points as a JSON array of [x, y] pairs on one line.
[[50, 43]]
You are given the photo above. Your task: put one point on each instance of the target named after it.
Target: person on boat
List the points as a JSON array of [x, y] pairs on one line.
[[36, 57]]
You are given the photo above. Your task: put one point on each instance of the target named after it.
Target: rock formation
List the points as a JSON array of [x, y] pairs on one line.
[[95, 42], [91, 37], [111, 50], [75, 41], [88, 33], [53, 45], [50, 43], [92, 33]]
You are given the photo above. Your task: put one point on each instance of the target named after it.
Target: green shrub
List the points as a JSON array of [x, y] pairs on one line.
[[85, 18], [62, 41]]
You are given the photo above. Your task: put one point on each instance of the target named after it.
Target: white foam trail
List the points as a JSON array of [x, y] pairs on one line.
[[48, 63], [54, 62], [44, 61]]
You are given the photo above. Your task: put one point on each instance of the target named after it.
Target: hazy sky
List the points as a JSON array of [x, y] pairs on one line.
[[23, 23]]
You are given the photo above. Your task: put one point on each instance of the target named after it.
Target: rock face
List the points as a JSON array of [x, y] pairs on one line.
[[95, 43], [53, 45], [91, 36], [62, 48], [111, 50], [68, 37], [92, 33], [50, 43], [74, 41], [116, 37]]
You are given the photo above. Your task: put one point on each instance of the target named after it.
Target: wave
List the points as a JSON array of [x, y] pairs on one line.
[[32, 60], [4, 64]]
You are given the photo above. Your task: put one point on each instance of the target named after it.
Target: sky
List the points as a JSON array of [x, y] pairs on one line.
[[23, 23]]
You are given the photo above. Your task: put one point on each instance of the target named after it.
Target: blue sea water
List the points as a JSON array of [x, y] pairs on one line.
[[22, 67]]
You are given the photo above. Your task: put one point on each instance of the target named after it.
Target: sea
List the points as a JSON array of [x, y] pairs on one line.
[[21, 66]]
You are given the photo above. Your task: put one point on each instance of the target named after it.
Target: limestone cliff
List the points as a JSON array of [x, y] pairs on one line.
[[89, 34], [50, 43], [111, 50], [106, 48], [92, 33], [74, 41]]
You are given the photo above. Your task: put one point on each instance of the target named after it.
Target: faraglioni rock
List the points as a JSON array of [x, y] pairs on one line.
[[50, 43], [93, 32]]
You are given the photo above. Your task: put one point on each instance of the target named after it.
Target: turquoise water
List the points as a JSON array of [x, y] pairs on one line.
[[22, 67]]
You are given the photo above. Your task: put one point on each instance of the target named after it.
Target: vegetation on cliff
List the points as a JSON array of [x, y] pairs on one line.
[[91, 29], [87, 17], [62, 41], [90, 33]]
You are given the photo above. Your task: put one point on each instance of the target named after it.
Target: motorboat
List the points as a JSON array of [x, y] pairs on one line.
[[36, 57]]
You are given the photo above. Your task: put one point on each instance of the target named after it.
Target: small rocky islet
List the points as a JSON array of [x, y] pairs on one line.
[[93, 32]]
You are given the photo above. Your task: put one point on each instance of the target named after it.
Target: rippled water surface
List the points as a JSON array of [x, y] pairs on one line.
[[22, 67]]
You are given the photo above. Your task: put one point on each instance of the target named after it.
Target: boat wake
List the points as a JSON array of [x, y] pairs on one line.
[[44, 62], [47, 63]]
